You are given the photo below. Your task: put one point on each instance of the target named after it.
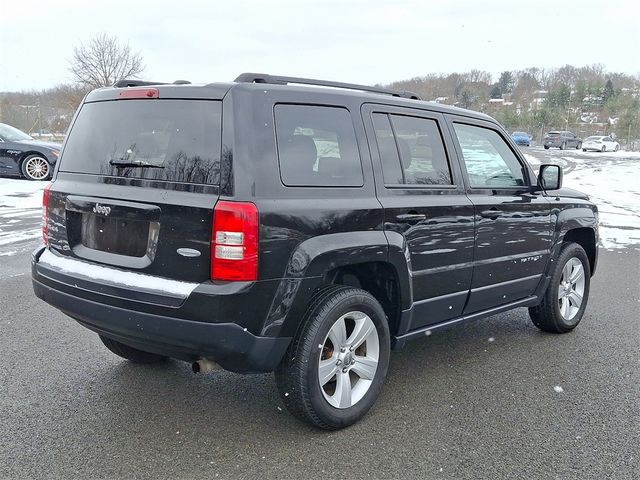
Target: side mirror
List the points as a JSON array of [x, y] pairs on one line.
[[550, 177]]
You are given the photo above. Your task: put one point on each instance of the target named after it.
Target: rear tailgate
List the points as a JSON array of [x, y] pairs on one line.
[[137, 184]]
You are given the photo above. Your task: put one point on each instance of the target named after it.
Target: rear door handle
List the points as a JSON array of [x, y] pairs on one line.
[[411, 217], [492, 213]]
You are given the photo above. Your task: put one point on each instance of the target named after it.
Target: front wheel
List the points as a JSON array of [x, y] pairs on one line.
[[617, 148], [36, 167], [566, 297], [338, 360], [603, 149], [584, 149], [546, 147]]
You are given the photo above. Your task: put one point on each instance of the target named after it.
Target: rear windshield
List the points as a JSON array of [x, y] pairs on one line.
[[170, 140]]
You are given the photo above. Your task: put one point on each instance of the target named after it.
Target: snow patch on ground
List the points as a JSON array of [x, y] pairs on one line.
[[611, 181], [20, 210]]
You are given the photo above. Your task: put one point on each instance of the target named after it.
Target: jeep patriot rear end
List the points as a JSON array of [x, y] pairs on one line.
[[263, 225]]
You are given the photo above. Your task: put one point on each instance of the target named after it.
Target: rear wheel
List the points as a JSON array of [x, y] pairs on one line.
[[132, 354], [35, 167], [546, 147], [566, 297], [337, 362]]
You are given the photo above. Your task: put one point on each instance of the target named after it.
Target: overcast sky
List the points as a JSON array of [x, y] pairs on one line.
[[369, 42]]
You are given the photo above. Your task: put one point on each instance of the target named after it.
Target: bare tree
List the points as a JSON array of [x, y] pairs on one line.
[[104, 61]]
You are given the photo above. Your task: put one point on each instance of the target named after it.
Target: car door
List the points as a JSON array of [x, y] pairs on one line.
[[513, 225], [426, 211]]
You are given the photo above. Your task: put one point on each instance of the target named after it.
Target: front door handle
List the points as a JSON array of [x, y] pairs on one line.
[[411, 217], [492, 213]]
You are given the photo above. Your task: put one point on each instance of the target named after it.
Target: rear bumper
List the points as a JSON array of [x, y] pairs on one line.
[[229, 344]]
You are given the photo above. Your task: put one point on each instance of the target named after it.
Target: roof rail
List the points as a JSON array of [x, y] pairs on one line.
[[280, 80], [135, 83]]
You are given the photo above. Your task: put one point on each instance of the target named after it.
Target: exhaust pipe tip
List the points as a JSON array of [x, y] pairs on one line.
[[204, 365]]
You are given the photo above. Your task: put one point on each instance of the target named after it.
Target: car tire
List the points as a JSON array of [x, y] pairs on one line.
[[132, 354], [617, 148], [546, 147], [563, 145], [604, 148], [565, 300], [349, 386], [584, 149], [36, 167]]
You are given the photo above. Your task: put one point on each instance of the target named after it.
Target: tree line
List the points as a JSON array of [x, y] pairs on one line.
[[588, 100]]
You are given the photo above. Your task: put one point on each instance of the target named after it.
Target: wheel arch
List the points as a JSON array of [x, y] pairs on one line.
[[586, 238], [360, 259]]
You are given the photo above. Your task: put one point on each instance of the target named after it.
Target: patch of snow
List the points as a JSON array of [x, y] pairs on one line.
[[139, 281], [558, 389], [18, 236], [491, 339], [10, 253]]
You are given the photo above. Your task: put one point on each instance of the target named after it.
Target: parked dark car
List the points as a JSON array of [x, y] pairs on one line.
[[267, 226], [521, 138], [561, 140], [22, 156]]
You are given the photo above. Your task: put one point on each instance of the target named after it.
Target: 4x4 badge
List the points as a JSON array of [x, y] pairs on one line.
[[101, 209]]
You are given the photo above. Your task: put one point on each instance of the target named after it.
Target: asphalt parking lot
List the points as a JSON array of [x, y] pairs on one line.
[[491, 399]]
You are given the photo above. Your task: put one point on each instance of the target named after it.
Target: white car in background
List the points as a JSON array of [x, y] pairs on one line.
[[600, 144]]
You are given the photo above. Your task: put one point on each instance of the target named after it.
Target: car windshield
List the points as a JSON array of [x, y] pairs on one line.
[[11, 134], [519, 134], [553, 134]]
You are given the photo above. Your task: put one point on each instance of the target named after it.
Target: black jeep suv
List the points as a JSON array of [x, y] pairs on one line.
[[266, 225]]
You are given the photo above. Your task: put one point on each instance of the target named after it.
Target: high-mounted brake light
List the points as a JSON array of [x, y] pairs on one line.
[[139, 93], [45, 214], [234, 241]]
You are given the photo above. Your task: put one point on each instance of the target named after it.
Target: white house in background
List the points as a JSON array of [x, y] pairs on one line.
[[539, 96]]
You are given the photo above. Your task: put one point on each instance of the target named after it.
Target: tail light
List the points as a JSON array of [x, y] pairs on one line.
[[234, 241], [45, 214]]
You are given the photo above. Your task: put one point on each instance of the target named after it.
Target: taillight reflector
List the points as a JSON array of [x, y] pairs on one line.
[[139, 93], [45, 214], [234, 241]]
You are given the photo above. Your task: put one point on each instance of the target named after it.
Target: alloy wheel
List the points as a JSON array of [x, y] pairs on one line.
[[37, 168], [349, 359], [571, 288]]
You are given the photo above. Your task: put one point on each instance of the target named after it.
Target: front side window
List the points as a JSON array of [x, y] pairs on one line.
[[411, 150], [317, 146], [489, 161]]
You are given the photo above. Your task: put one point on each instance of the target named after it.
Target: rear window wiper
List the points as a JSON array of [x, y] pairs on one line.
[[134, 163]]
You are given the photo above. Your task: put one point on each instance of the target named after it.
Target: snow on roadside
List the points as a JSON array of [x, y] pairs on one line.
[[610, 180], [20, 210]]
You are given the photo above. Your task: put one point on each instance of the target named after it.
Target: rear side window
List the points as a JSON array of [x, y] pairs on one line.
[[169, 140], [411, 150], [317, 146]]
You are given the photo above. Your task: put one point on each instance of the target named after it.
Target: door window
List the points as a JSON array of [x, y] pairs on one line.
[[489, 161], [411, 150]]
